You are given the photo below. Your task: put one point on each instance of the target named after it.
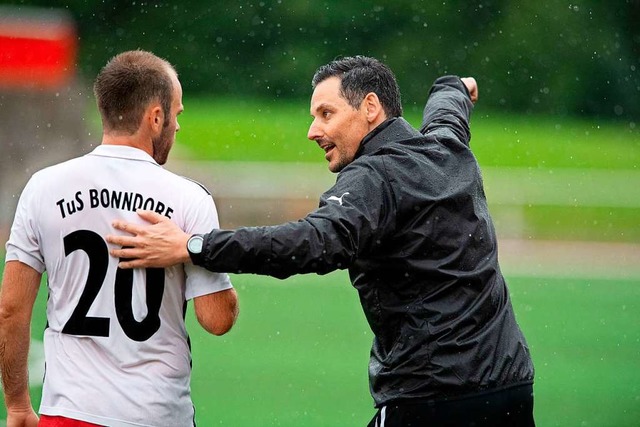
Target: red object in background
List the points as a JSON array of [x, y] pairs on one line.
[[37, 49]]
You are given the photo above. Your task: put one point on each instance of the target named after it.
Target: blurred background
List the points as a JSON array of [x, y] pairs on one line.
[[556, 132]]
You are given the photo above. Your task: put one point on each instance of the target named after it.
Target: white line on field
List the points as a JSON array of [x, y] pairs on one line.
[[36, 363], [569, 259], [504, 186]]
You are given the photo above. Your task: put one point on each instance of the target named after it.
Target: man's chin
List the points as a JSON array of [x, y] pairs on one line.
[[335, 167]]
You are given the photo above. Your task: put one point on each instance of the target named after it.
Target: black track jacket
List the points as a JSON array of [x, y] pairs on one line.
[[408, 218]]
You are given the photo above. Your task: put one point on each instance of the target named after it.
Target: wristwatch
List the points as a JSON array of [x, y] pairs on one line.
[[194, 247]]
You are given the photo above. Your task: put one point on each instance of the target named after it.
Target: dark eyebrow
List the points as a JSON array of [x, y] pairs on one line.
[[323, 106]]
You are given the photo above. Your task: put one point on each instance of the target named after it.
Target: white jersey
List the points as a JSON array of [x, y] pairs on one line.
[[116, 347]]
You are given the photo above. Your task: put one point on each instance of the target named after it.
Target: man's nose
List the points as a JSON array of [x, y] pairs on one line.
[[314, 132]]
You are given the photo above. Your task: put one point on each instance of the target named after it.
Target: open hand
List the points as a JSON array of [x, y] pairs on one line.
[[161, 244]]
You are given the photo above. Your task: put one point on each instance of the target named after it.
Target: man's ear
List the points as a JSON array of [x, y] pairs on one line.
[[373, 108], [155, 117]]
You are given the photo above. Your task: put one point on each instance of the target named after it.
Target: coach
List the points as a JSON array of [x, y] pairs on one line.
[[408, 217]]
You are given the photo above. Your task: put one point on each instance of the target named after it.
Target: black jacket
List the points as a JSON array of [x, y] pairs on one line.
[[409, 219]]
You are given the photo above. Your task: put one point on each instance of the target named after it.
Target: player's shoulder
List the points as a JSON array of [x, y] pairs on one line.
[[187, 184], [51, 172], [197, 186]]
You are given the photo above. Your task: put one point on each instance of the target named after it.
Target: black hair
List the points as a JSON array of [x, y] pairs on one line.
[[359, 76]]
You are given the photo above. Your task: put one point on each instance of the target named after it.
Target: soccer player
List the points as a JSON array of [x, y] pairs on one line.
[[117, 351]]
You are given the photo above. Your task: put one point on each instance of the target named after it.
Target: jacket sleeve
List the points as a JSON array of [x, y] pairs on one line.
[[350, 218], [448, 110]]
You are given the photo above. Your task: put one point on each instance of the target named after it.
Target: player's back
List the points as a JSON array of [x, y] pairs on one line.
[[116, 346]]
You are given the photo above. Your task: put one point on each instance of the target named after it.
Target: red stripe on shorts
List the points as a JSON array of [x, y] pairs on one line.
[[55, 421]]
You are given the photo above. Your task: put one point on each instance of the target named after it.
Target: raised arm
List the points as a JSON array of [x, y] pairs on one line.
[[448, 108], [17, 297]]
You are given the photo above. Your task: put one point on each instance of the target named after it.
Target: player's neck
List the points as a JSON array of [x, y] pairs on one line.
[[134, 141]]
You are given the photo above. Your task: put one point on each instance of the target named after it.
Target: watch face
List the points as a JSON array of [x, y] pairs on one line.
[[195, 244]]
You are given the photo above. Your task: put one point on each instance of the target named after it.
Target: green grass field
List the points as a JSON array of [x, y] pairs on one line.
[[298, 354], [230, 129]]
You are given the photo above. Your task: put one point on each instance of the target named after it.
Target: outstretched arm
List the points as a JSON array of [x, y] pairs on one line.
[[325, 240], [17, 297]]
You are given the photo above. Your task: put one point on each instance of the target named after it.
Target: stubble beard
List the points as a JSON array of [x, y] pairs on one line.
[[162, 145]]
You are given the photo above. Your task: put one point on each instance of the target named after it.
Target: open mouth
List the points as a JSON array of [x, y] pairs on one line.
[[328, 148]]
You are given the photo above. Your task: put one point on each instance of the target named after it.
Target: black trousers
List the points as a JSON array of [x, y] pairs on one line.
[[512, 407]]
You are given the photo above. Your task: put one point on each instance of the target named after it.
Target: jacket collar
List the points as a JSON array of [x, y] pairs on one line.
[[391, 130]]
